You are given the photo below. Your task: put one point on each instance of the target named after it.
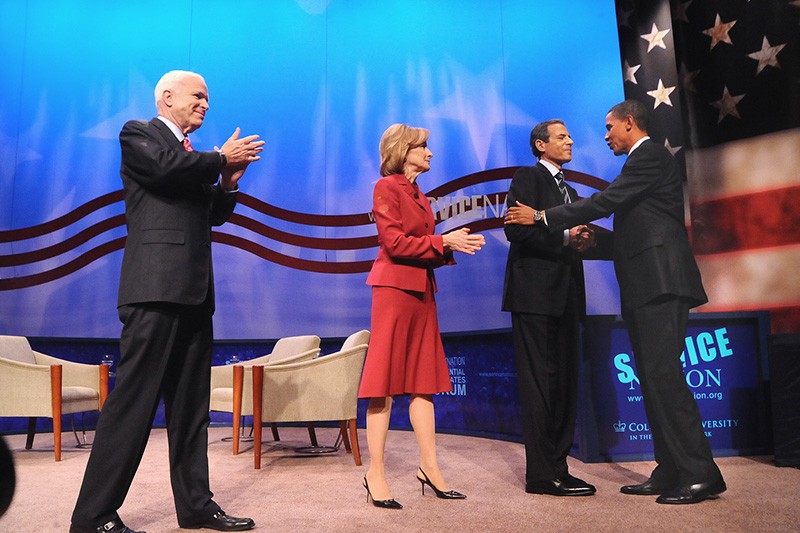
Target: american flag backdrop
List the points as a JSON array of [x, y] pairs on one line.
[[722, 78]]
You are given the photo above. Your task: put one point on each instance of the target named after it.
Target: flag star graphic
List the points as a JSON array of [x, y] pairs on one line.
[[655, 38], [630, 72], [719, 32], [727, 104], [661, 94], [624, 18], [687, 77], [680, 11], [767, 56], [672, 149]]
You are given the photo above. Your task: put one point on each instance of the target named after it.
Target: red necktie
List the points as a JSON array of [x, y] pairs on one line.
[[187, 144]]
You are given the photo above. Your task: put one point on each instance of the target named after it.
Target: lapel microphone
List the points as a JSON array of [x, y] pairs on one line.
[[416, 196]]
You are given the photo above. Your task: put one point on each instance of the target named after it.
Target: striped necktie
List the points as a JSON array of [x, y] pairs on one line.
[[187, 144], [562, 187]]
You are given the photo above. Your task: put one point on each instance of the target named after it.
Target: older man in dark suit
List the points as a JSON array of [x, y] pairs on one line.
[[659, 282], [173, 196]]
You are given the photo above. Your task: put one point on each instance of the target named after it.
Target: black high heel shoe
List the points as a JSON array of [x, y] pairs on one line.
[[383, 504], [445, 495]]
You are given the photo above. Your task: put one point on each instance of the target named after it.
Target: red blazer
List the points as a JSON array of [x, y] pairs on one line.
[[409, 251]]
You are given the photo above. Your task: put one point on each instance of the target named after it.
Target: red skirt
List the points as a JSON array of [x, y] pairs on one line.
[[405, 354]]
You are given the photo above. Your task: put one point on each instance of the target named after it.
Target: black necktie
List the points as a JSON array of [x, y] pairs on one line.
[[562, 187]]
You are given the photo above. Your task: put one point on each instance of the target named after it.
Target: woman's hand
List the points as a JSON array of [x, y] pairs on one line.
[[462, 241]]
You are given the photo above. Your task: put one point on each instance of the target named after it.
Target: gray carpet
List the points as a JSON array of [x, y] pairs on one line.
[[323, 493]]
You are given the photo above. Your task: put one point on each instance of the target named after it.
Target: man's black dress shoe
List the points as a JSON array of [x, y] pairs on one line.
[[693, 493], [113, 526], [651, 487], [564, 486], [222, 522]]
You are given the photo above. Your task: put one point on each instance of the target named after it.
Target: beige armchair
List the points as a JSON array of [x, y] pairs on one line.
[[323, 389], [231, 392], [33, 384]]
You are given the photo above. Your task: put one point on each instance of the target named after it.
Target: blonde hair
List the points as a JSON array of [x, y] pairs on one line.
[[395, 143]]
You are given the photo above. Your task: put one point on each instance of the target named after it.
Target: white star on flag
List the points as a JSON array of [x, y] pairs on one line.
[[655, 38], [727, 104], [630, 72], [672, 150], [719, 32], [767, 56], [661, 94]]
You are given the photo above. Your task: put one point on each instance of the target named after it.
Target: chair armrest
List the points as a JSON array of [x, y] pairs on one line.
[[325, 359], [73, 374], [24, 389], [308, 355], [222, 376]]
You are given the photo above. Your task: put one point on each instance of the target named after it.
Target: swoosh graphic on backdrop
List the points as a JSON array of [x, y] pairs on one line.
[[74, 217]]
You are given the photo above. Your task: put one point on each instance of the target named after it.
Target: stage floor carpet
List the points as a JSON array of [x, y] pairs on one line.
[[300, 493]]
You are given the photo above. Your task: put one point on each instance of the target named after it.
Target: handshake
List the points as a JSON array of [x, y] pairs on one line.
[[581, 237]]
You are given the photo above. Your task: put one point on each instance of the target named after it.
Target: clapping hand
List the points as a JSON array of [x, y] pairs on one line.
[[462, 241]]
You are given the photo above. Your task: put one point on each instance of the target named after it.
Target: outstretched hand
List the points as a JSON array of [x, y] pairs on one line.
[[581, 238], [242, 151], [462, 241]]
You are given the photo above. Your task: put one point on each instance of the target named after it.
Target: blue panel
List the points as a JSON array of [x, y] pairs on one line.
[[319, 81]]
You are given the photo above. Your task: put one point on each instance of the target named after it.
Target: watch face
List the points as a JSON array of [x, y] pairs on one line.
[[537, 215]]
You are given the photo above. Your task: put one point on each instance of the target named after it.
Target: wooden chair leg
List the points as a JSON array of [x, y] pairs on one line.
[[103, 386], [238, 385], [31, 432], [275, 435], [312, 434], [354, 441], [55, 387], [258, 391], [345, 438]]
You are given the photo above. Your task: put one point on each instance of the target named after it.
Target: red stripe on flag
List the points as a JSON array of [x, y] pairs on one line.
[[758, 220]]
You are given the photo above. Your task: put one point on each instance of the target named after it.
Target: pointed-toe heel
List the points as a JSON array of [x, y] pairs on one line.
[[383, 504], [445, 495]]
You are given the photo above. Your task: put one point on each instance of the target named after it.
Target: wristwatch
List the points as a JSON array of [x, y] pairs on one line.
[[538, 216], [223, 158]]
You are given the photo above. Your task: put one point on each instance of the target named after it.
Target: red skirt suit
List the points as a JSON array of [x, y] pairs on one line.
[[405, 349]]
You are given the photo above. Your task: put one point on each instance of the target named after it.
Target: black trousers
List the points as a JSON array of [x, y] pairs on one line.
[[546, 354], [657, 331], [166, 352]]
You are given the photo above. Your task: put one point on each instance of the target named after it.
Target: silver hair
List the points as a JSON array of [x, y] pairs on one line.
[[169, 80]]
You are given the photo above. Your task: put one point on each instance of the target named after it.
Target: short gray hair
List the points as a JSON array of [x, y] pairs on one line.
[[169, 80]]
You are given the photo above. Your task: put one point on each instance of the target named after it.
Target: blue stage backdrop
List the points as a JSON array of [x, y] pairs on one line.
[[319, 80]]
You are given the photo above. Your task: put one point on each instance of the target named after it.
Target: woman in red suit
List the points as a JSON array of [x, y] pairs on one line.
[[405, 351]]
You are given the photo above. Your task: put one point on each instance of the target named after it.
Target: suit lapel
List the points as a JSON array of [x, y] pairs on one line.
[[554, 192], [411, 190], [166, 133]]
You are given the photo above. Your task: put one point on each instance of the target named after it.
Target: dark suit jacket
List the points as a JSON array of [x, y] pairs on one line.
[[409, 250], [171, 203], [652, 256], [539, 266]]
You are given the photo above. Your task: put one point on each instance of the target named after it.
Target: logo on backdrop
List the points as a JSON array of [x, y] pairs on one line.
[[481, 212], [704, 359], [458, 375]]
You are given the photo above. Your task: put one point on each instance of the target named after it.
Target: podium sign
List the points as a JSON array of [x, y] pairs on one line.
[[724, 362]]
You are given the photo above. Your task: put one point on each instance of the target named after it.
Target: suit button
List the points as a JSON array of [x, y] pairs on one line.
[[426, 224]]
